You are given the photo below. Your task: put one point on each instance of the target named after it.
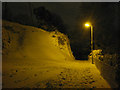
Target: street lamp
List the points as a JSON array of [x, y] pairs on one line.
[[91, 27]]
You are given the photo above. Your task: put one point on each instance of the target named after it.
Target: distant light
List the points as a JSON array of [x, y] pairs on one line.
[[87, 24]]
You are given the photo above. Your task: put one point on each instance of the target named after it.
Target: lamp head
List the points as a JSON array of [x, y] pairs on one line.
[[87, 24]]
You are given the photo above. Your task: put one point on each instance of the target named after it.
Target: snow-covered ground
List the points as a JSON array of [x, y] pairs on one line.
[[34, 58], [70, 74]]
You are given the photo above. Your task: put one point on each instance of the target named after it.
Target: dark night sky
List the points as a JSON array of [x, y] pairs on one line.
[[68, 12], [104, 17]]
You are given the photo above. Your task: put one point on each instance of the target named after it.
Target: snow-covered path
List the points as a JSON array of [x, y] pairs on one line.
[[79, 74], [70, 74]]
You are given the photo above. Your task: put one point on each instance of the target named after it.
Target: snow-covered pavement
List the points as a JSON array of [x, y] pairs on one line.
[[80, 74], [72, 74]]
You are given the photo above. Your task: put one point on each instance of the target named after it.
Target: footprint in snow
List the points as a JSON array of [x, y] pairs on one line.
[[63, 78], [91, 82], [35, 75]]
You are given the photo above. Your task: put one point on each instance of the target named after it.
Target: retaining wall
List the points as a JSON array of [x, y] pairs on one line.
[[108, 72]]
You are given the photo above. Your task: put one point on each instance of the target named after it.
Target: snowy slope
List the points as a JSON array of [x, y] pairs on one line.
[[27, 48], [25, 41]]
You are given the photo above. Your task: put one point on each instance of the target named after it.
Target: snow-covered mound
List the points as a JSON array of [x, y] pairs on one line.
[[29, 52], [20, 41]]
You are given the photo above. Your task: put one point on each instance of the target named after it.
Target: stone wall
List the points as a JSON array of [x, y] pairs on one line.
[[108, 72], [109, 69]]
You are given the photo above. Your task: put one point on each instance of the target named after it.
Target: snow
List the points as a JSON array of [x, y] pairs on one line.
[[34, 58]]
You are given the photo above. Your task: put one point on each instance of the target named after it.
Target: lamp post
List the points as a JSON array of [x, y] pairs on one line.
[[91, 27]]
